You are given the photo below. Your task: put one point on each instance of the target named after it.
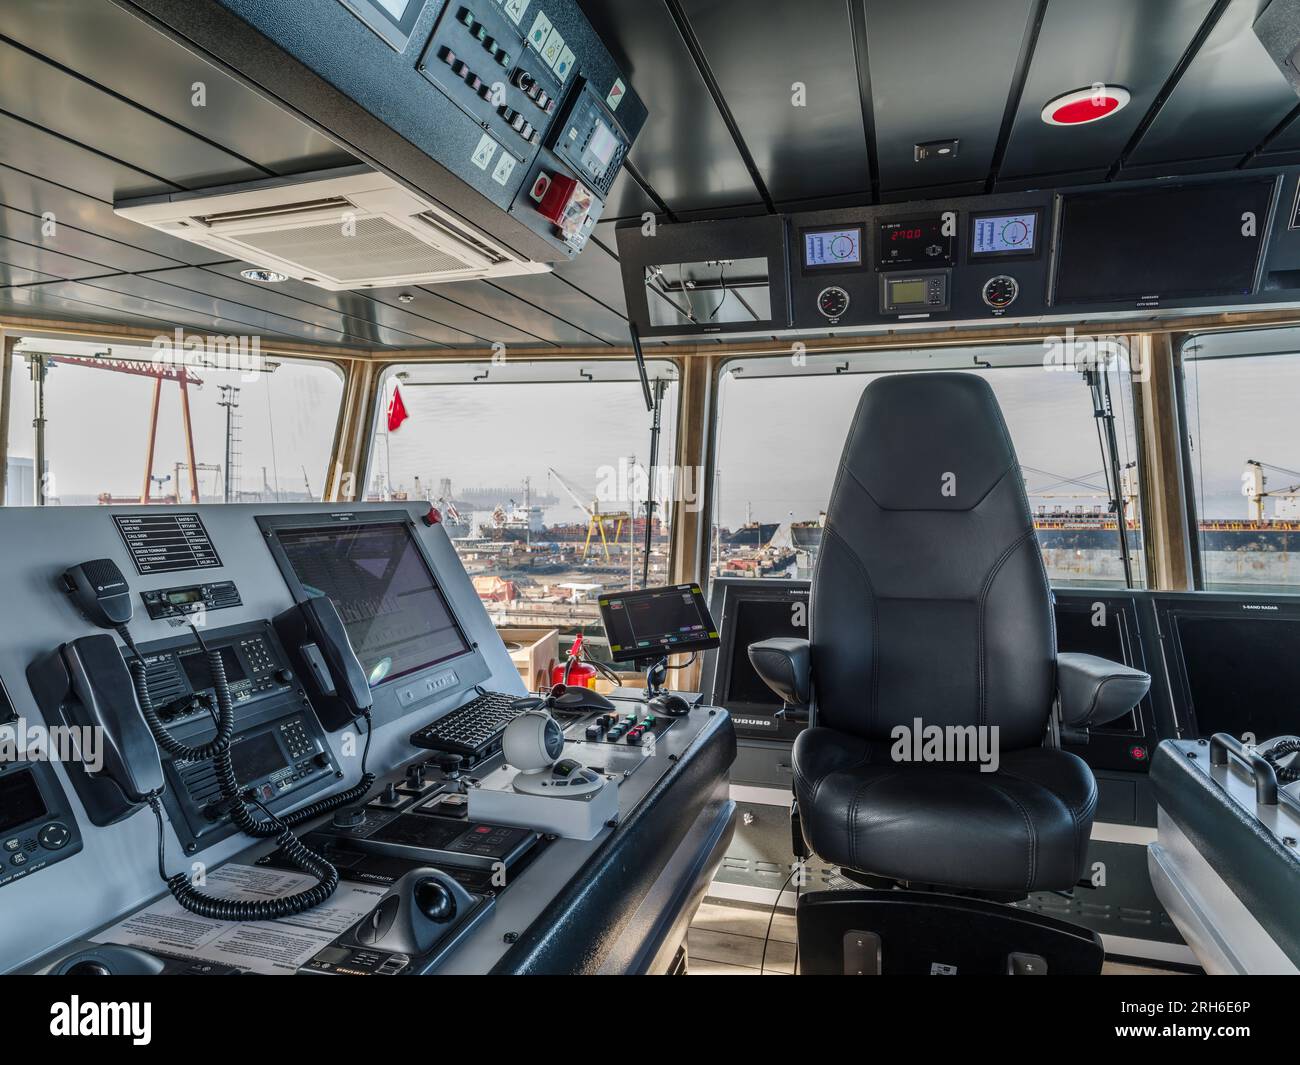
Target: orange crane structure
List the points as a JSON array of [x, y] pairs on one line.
[[159, 374]]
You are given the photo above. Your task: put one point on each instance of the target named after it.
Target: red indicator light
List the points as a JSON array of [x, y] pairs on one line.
[[1085, 105], [1137, 753]]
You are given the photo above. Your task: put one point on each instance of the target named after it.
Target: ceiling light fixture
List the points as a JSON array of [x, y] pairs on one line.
[[269, 277], [1083, 106]]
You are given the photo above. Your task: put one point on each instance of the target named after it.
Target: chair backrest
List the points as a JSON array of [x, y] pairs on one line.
[[930, 599]]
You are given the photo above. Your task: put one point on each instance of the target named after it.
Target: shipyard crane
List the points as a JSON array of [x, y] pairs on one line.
[[596, 519], [1253, 486], [159, 374]]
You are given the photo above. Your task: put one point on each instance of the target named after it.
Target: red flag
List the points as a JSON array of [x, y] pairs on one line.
[[396, 411]]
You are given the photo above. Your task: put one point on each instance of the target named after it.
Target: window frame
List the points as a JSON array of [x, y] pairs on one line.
[[908, 357]]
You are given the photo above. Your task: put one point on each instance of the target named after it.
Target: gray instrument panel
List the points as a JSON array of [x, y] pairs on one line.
[[115, 872]]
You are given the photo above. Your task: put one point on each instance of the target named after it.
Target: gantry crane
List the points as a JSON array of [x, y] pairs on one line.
[[159, 374], [596, 519]]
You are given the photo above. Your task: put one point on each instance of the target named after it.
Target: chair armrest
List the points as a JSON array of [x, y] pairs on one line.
[[785, 665], [1095, 690]]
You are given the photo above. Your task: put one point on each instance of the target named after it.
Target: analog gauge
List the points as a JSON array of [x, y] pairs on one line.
[[1001, 291], [833, 302]]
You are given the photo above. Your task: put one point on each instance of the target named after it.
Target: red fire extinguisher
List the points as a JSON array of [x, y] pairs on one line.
[[575, 673]]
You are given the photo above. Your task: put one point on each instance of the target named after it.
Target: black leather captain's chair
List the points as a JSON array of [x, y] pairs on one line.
[[930, 605]]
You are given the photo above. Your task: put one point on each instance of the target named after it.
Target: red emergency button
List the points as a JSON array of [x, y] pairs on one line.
[[1138, 753]]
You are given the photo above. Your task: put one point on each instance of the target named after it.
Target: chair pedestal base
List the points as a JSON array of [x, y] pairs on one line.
[[915, 933]]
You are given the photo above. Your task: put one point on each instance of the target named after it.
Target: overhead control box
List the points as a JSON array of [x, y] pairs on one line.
[[476, 106]]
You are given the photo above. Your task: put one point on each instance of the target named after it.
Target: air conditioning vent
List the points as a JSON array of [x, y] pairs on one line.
[[337, 203], [340, 229]]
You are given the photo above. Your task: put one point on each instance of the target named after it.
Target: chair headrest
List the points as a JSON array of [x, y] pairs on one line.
[[929, 441]]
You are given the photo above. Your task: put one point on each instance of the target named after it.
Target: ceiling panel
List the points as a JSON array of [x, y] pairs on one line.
[[499, 305], [104, 43], [35, 196], [1136, 45], [1231, 97], [684, 151], [17, 275], [61, 237], [805, 152], [43, 95], [26, 256], [379, 313], [32, 150], [596, 272], [232, 317], [78, 302], [277, 300], [438, 308], [928, 86], [627, 199], [548, 293]]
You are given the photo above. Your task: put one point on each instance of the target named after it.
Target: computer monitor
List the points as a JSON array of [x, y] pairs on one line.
[[397, 618], [1234, 665], [655, 622], [751, 610]]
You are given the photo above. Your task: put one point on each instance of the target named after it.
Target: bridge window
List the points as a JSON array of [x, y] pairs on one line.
[[540, 471], [1240, 392], [782, 423], [111, 423]]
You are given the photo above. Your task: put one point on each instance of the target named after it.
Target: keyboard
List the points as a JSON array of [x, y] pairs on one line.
[[473, 730]]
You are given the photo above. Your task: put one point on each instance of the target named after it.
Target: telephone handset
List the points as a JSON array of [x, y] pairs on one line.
[[317, 641], [87, 685], [86, 682]]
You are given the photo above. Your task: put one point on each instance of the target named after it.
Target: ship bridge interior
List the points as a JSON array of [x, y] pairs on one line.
[[690, 487]]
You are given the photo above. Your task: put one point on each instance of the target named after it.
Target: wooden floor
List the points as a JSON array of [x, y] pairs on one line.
[[726, 939]]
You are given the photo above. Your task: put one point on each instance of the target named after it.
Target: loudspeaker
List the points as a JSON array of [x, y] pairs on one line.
[[1278, 30]]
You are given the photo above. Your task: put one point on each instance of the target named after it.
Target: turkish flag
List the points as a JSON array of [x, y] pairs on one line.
[[396, 411]]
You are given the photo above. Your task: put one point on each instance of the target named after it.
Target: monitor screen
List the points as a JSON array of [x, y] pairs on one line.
[[20, 800], [1004, 234], [832, 247], [396, 616], [1138, 244], [753, 620], [657, 621], [914, 242], [195, 664], [1241, 675]]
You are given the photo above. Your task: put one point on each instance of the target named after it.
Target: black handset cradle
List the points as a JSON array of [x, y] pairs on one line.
[[86, 684], [317, 642]]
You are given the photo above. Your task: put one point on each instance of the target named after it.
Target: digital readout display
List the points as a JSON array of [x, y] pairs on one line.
[[1004, 234], [832, 247]]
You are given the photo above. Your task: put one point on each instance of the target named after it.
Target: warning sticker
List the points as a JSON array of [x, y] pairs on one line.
[[483, 154], [616, 95]]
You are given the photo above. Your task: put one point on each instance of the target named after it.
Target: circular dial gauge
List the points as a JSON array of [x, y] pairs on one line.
[[1001, 291], [833, 302]]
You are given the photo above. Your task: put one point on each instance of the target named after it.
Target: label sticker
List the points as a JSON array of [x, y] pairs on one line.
[[553, 47], [516, 8], [564, 64], [615, 96], [504, 168], [483, 154], [540, 31]]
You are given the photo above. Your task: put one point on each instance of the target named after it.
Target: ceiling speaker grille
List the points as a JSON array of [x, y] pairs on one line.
[[377, 249]]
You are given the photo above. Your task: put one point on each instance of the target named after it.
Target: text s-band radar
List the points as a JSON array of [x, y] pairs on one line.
[[656, 622]]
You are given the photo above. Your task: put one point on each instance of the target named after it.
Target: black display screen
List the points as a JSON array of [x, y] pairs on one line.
[[657, 621], [20, 800], [397, 619], [256, 757], [1242, 675], [914, 242], [1193, 240], [199, 674], [751, 621]]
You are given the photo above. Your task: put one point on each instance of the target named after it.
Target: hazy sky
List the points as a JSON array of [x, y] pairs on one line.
[[98, 425]]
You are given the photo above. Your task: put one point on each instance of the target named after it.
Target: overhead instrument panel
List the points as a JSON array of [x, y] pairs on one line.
[[509, 115]]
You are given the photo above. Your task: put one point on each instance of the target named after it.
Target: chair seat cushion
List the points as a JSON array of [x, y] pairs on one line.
[[1023, 828]]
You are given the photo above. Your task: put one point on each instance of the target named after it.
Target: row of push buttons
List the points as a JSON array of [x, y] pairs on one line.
[[516, 121], [610, 727], [480, 33], [53, 836]]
